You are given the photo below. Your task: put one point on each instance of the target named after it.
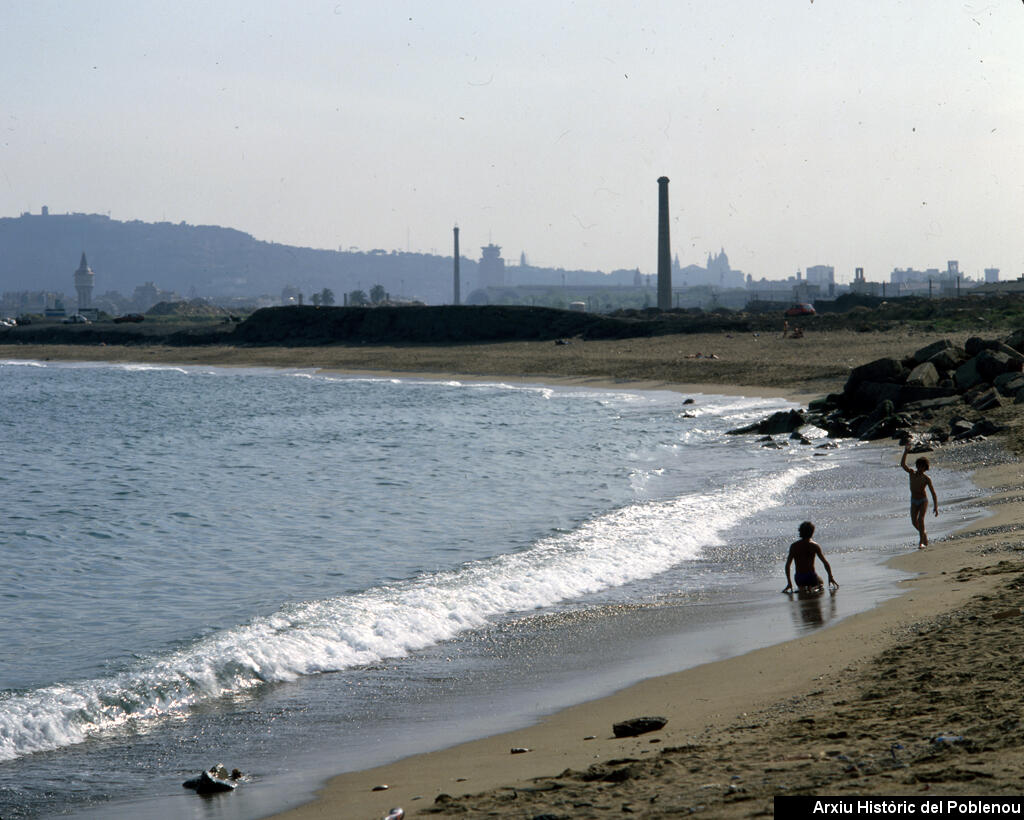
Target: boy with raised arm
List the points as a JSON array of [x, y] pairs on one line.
[[919, 482]]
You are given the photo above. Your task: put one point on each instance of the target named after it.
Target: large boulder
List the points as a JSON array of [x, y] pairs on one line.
[[991, 363], [935, 348], [1009, 384], [1012, 352], [948, 359], [924, 375], [975, 345], [885, 371], [967, 374], [1015, 340], [866, 395]]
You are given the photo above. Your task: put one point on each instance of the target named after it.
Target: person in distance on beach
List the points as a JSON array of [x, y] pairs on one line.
[[803, 553], [919, 481]]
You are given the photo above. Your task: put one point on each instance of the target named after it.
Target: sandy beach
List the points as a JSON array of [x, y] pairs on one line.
[[919, 696], [816, 364]]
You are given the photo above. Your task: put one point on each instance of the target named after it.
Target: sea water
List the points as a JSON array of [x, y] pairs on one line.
[[297, 573]]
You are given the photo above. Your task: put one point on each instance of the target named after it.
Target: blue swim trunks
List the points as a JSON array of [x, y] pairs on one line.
[[807, 579]]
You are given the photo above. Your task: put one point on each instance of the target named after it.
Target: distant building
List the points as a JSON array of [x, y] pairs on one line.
[[861, 286], [147, 295], [991, 275], [25, 302], [824, 276], [930, 282], [717, 273], [84, 280], [491, 267]]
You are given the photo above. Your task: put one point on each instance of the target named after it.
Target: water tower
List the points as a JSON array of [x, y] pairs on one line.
[[83, 284]]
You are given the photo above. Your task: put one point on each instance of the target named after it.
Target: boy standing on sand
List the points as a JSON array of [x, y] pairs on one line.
[[919, 481], [803, 552]]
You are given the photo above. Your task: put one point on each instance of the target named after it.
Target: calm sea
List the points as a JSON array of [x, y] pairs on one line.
[[297, 573]]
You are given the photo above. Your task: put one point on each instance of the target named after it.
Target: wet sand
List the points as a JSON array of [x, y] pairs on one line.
[[918, 696]]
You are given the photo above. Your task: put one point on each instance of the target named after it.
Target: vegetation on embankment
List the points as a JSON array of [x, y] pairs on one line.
[[449, 324]]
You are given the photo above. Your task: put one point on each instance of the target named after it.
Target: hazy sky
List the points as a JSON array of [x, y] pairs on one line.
[[877, 133]]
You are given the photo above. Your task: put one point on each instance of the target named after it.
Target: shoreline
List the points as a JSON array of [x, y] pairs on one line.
[[712, 708], [574, 758]]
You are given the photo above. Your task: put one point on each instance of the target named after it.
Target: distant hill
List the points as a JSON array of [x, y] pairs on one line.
[[42, 251]]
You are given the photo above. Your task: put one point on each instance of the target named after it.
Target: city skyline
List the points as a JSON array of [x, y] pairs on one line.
[[795, 135]]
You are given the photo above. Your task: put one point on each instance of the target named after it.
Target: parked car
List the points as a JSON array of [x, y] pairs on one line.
[[129, 317], [801, 309], [75, 319]]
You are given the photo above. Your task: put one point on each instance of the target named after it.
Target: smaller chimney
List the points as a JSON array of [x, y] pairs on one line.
[[456, 271]]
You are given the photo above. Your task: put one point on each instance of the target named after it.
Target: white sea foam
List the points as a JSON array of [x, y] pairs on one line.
[[629, 544]]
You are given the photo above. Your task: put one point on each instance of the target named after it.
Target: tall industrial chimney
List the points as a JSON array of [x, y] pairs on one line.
[[664, 255], [456, 230]]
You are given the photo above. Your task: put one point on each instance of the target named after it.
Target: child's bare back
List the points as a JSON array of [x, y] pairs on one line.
[[802, 554]]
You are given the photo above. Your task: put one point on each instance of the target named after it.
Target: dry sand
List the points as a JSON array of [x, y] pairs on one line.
[[919, 696], [815, 364]]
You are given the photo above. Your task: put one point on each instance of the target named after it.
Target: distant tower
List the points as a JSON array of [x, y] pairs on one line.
[[664, 256], [492, 267], [83, 284], [456, 271]]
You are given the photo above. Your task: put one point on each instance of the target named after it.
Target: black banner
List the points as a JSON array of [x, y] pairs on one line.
[[794, 808]]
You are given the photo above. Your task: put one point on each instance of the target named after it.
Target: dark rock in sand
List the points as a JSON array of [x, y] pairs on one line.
[[638, 726], [216, 779], [909, 394], [987, 400], [886, 427], [1009, 384], [960, 427], [986, 427], [935, 403]]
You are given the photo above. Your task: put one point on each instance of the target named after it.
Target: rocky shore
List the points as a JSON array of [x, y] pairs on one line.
[[940, 393]]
